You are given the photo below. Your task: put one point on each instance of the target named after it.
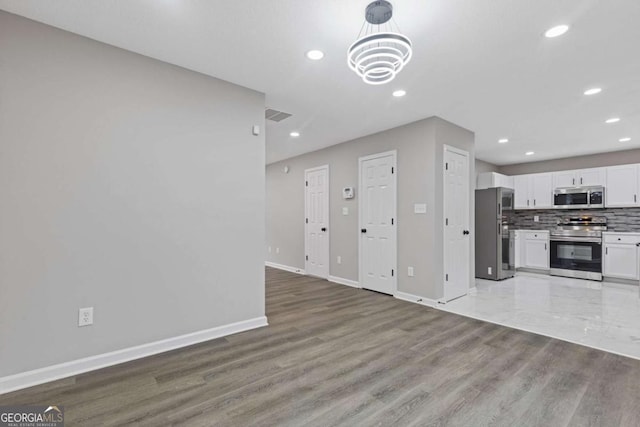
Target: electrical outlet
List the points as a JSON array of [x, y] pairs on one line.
[[345, 211], [277, 250], [489, 271], [536, 218], [85, 316], [410, 271], [339, 259], [269, 249]]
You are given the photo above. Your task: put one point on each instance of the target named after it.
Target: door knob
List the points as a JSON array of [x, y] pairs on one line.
[[323, 229], [363, 230], [465, 232]]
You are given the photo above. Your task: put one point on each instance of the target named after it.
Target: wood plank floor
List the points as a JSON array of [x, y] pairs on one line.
[[334, 355]]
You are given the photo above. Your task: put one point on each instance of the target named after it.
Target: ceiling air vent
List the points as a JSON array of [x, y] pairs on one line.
[[275, 115]]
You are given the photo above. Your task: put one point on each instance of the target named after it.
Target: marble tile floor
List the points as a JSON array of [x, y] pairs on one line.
[[601, 315]]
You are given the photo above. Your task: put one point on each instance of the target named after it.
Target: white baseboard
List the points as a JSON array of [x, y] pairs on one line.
[[75, 367], [342, 281], [416, 299], [285, 267]]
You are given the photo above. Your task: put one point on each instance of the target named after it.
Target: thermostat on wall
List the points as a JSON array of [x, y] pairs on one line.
[[348, 193]]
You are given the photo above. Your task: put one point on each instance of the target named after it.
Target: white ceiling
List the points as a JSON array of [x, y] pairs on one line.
[[483, 65]]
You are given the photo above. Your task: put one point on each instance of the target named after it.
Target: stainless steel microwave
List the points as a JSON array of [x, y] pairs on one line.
[[579, 197]]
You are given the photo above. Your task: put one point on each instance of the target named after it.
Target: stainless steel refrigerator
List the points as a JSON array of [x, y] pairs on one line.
[[495, 251]]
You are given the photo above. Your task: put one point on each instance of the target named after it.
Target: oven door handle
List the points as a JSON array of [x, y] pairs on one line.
[[576, 239]]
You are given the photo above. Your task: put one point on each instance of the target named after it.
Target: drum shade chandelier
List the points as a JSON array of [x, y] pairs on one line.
[[381, 53]]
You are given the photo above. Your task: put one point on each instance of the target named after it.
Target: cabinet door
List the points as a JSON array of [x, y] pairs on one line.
[[622, 186], [521, 191], [541, 191], [564, 179], [595, 176], [536, 254], [505, 181], [518, 250], [620, 261]]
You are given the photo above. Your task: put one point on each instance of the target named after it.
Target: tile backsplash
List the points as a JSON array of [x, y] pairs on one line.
[[618, 219]]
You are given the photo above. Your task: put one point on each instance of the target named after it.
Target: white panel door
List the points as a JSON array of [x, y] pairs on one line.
[[456, 229], [317, 221], [622, 186], [377, 222]]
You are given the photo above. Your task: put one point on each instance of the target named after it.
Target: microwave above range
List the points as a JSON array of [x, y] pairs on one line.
[[579, 197]]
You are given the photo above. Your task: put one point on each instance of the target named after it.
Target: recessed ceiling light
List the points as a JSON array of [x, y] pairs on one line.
[[315, 55], [556, 31], [613, 120], [592, 91], [399, 93], [625, 139], [294, 134], [529, 153], [503, 141]]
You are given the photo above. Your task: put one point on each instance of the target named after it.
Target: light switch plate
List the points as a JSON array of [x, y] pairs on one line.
[[420, 208], [345, 211], [410, 271]]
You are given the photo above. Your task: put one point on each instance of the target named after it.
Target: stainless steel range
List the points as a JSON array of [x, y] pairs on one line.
[[576, 247]]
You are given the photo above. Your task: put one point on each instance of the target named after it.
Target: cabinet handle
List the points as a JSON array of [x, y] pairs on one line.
[[606, 251], [580, 180], [527, 202], [635, 198], [545, 246], [573, 181], [534, 202]]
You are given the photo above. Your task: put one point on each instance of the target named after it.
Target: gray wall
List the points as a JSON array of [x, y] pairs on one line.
[[419, 147], [126, 184], [482, 167], [579, 162]]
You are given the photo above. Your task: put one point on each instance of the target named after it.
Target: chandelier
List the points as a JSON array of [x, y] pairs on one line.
[[381, 53]]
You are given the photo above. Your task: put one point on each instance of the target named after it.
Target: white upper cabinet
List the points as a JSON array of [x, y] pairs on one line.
[[541, 185], [622, 186], [594, 176], [492, 180], [534, 191], [521, 192], [564, 179], [582, 177]]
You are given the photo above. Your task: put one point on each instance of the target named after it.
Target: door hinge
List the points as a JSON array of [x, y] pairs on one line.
[[391, 221], [306, 257], [306, 183], [446, 166], [392, 272], [392, 169], [446, 277], [446, 221], [306, 220]]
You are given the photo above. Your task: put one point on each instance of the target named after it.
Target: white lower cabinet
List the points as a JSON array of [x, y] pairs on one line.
[[535, 249], [620, 255]]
